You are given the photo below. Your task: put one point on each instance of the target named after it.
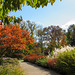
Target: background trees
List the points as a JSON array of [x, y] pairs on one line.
[[40, 38], [30, 26], [71, 35], [51, 37], [55, 37]]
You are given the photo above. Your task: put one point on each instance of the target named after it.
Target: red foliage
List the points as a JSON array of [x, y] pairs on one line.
[[14, 37], [51, 62], [32, 57]]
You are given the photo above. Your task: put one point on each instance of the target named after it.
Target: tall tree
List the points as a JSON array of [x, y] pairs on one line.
[[13, 37], [30, 26], [55, 37], [40, 39]]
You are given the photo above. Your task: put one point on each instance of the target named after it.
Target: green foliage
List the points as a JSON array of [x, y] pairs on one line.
[[29, 26], [38, 3], [71, 35], [37, 50], [10, 67], [66, 62], [15, 53], [7, 6], [26, 52], [50, 53], [42, 62], [1, 61], [8, 19], [10, 70], [12, 61]]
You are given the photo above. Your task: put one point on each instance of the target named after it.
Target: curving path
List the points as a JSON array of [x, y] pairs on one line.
[[32, 69]]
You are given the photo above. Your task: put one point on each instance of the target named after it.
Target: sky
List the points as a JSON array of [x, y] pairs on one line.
[[61, 13]]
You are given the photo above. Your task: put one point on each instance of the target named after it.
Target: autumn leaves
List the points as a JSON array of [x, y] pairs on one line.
[[14, 37]]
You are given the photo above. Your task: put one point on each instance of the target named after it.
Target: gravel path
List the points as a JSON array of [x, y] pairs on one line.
[[32, 69]]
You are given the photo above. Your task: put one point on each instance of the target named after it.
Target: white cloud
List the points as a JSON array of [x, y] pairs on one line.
[[39, 23], [63, 26], [66, 25]]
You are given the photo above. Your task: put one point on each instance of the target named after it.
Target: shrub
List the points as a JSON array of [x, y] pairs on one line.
[[10, 67], [66, 62], [26, 58], [1, 61], [18, 55], [42, 62], [51, 62], [32, 57], [10, 70], [13, 61], [62, 49], [15, 53]]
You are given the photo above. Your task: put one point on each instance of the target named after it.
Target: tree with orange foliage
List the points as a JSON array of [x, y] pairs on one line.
[[13, 37]]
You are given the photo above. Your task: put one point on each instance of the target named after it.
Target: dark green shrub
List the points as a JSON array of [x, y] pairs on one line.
[[15, 53], [66, 62], [1, 61], [42, 62], [18, 55]]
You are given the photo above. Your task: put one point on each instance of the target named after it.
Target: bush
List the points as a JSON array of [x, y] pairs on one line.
[[1, 61], [13, 61], [66, 62], [42, 62], [10, 70], [18, 55], [32, 57], [10, 67], [15, 53], [51, 63]]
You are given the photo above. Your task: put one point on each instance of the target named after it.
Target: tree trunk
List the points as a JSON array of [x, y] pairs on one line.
[[4, 52]]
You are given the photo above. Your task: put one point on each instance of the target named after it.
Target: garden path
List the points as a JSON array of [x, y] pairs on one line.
[[32, 69]]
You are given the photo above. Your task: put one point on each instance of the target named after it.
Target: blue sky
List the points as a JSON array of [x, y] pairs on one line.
[[61, 13]]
